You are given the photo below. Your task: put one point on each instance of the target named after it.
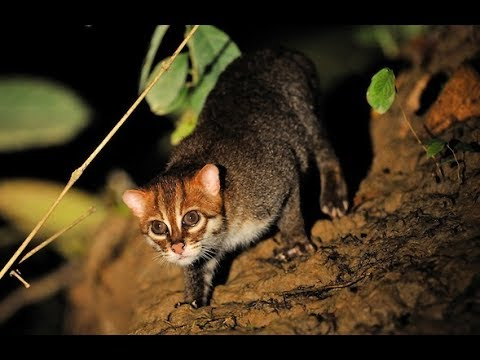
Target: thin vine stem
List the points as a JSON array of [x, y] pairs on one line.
[[412, 130], [459, 176], [440, 172]]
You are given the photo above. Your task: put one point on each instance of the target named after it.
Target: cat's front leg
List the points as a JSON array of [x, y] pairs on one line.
[[194, 285], [198, 283]]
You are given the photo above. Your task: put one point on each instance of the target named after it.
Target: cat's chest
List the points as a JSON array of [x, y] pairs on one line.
[[243, 233]]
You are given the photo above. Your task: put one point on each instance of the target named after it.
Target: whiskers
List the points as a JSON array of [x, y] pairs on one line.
[[161, 258], [160, 262], [207, 253], [198, 252]]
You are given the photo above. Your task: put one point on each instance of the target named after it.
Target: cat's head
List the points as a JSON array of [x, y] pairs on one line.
[[181, 217]]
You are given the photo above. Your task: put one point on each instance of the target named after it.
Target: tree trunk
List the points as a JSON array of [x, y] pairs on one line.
[[405, 260]]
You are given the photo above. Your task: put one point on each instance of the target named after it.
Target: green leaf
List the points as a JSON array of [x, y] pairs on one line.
[[23, 202], [211, 51], [157, 38], [178, 105], [435, 146], [206, 45], [38, 113], [185, 126], [163, 97], [381, 92]]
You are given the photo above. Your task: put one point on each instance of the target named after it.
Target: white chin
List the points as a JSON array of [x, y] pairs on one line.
[[182, 260]]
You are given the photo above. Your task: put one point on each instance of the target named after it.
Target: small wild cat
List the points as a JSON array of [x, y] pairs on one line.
[[238, 174]]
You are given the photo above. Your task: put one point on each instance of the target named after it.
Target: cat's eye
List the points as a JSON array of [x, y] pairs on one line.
[[158, 227], [191, 218]]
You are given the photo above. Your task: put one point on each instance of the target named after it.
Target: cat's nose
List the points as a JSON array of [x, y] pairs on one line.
[[178, 248]]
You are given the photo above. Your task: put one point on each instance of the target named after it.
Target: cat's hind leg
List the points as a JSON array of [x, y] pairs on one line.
[[292, 229], [333, 189]]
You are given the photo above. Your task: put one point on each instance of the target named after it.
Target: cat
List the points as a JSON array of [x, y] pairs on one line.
[[238, 174]]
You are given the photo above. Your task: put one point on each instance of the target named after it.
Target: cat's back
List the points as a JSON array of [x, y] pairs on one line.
[[254, 125], [258, 89], [255, 112]]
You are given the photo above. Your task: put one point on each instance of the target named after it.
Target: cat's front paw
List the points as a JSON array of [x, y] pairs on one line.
[[193, 304], [299, 249]]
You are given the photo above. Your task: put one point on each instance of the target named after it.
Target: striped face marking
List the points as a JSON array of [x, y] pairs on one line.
[[180, 217]]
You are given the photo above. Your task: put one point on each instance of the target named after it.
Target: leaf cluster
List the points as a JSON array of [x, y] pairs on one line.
[[182, 91]]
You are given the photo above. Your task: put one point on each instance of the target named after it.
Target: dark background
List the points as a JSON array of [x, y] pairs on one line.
[[102, 64]]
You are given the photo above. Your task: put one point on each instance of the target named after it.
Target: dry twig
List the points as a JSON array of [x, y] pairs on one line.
[[16, 273], [40, 289], [56, 235], [78, 172]]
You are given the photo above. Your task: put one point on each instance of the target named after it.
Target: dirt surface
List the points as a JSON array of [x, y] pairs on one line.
[[405, 260]]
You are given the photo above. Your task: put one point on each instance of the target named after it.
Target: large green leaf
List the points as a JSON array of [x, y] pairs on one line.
[[381, 92], [163, 97], [37, 113], [157, 38], [211, 50], [23, 202], [184, 126]]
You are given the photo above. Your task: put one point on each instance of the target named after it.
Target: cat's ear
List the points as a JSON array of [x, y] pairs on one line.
[[209, 178], [136, 201]]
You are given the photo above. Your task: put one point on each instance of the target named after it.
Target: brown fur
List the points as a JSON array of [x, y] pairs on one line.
[[160, 196], [256, 137]]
